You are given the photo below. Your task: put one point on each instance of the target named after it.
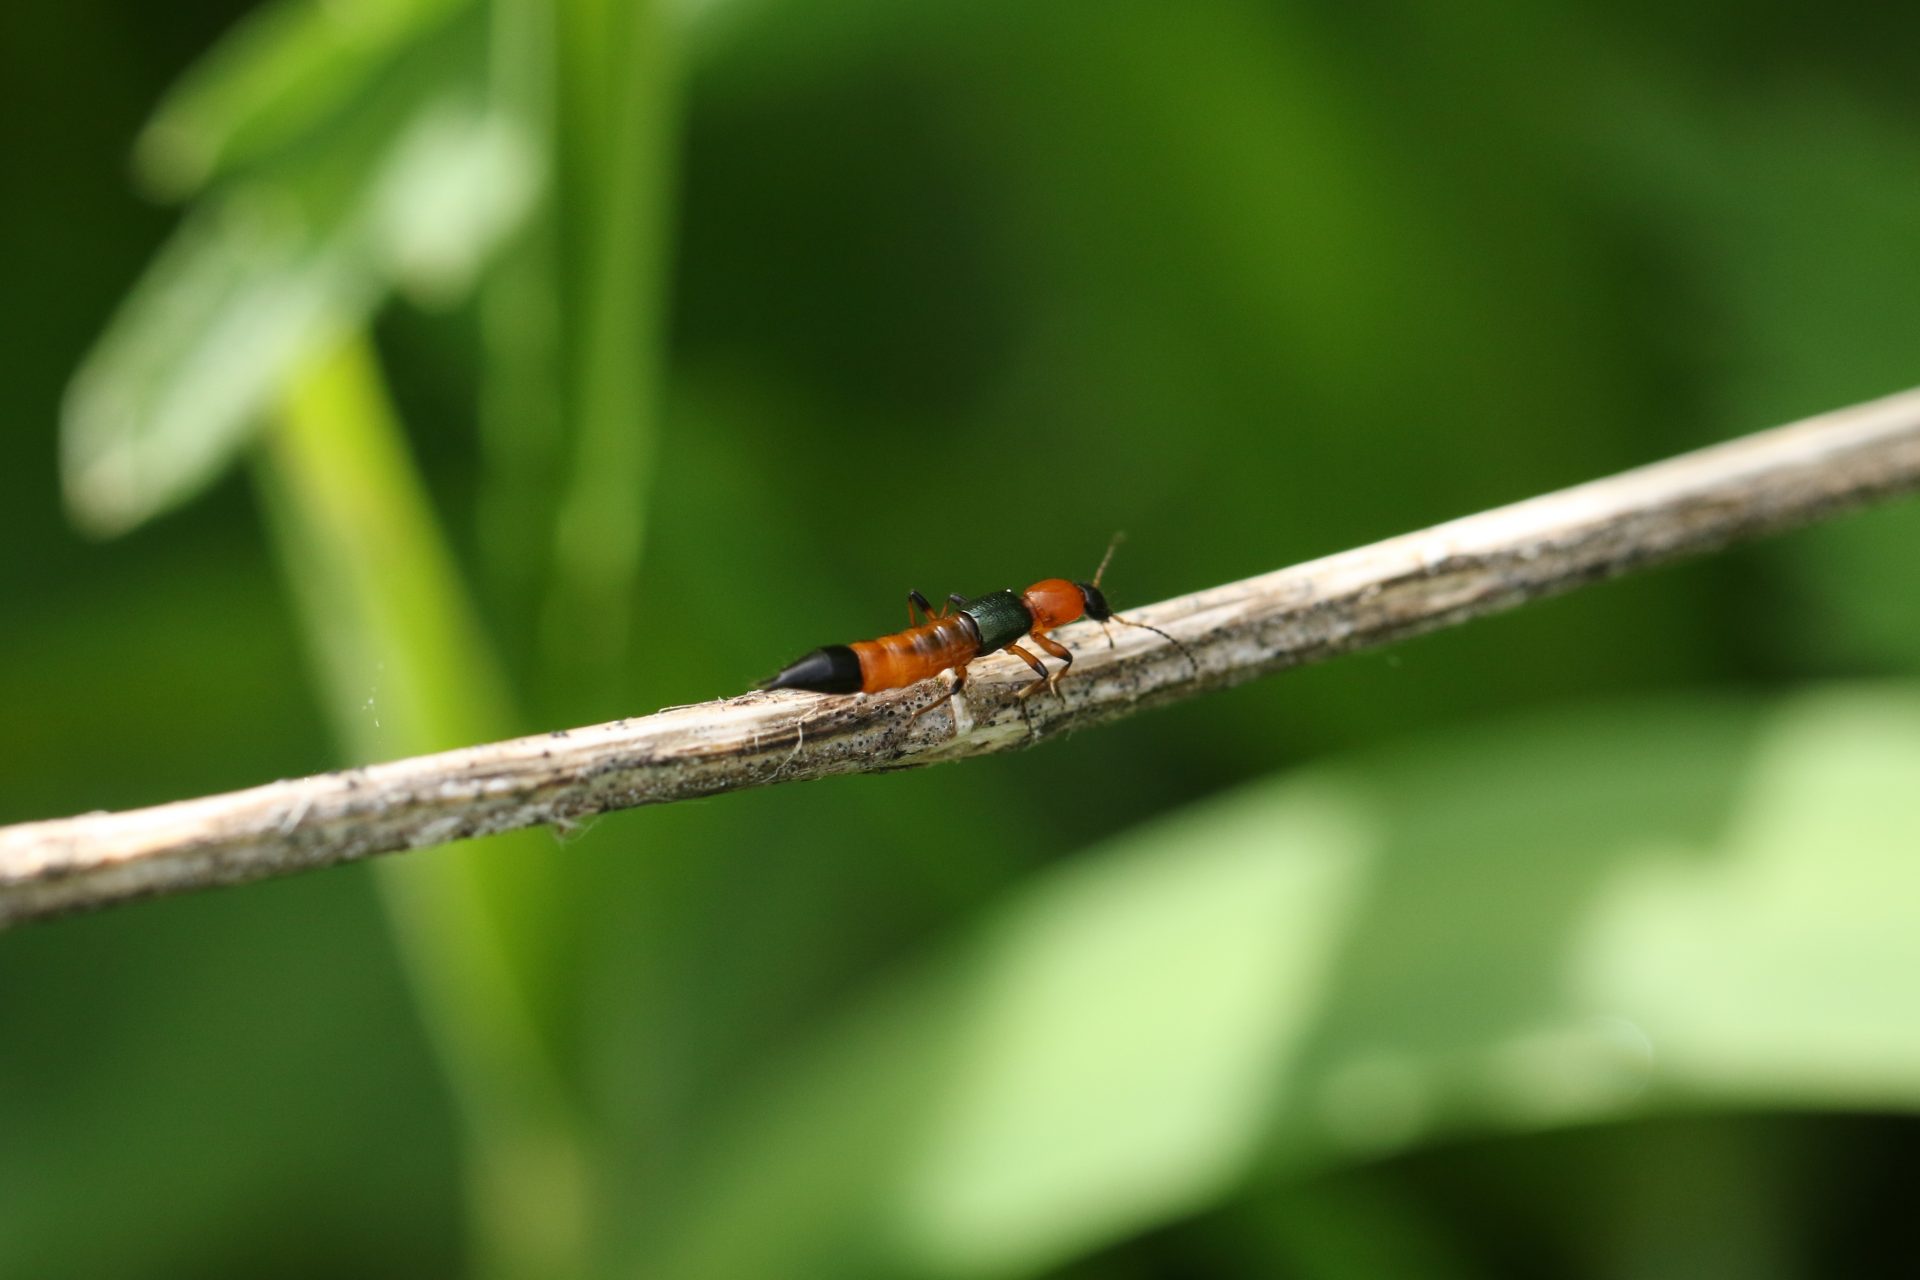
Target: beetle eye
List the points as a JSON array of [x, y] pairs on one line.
[[1096, 603]]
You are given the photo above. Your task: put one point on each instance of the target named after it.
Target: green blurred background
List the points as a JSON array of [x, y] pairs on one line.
[[475, 367]]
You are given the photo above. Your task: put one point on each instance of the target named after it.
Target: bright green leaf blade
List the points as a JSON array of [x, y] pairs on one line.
[[1605, 917]]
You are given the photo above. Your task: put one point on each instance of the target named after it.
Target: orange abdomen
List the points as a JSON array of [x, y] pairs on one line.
[[913, 655]]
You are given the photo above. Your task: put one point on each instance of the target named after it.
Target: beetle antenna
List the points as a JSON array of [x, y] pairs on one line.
[[1118, 538], [1184, 652]]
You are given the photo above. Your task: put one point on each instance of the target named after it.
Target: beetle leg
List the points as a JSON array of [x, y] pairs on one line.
[[1061, 652], [959, 681], [1039, 669]]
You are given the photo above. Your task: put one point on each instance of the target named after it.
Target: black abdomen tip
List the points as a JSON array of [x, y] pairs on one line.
[[834, 669]]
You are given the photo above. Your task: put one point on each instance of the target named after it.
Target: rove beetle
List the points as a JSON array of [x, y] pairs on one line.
[[958, 634]]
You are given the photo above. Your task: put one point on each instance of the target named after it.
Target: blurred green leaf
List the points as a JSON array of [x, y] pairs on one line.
[[281, 73], [176, 384], [412, 193], [1607, 916], [460, 178]]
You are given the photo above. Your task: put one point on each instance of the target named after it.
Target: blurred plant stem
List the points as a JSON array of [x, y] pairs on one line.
[[404, 668], [614, 121], [572, 318], [522, 420]]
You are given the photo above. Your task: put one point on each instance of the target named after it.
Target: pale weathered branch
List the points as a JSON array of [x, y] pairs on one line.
[[1354, 600]]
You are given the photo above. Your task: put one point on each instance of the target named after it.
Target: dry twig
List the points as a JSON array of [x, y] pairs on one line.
[[1355, 600]]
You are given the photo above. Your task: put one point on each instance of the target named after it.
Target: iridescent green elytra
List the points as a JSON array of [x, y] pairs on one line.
[[1000, 617]]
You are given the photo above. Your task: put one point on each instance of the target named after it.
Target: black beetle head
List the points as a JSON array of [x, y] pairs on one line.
[[1096, 603]]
